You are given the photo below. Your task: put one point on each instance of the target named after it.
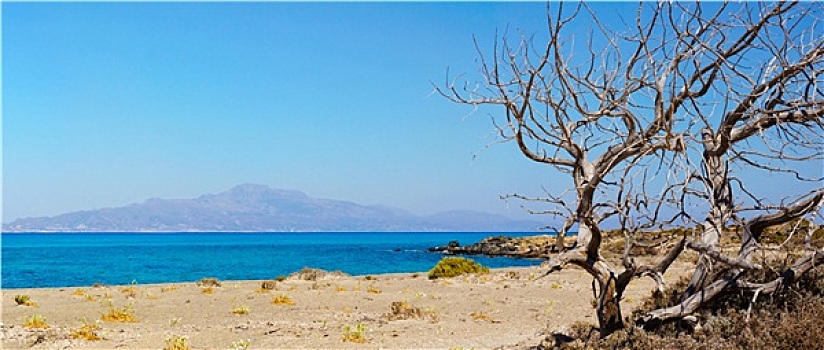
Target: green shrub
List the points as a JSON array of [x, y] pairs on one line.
[[451, 267]]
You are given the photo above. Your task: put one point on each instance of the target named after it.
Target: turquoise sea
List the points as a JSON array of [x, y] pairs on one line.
[[36, 260]]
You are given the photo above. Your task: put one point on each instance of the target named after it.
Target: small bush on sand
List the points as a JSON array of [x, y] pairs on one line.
[[208, 282], [87, 331], [401, 310], [176, 343], [268, 285], [282, 299], [124, 314], [453, 266], [241, 310], [36, 321], [23, 299], [355, 334], [310, 274]]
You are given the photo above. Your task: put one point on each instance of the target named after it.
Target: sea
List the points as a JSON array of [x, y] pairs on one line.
[[40, 260]]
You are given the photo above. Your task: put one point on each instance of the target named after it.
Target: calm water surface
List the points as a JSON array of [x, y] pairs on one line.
[[81, 259]]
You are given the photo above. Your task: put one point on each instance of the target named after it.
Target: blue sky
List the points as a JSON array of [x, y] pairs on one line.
[[106, 104]]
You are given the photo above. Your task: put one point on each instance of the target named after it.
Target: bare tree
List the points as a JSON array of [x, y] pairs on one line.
[[625, 105], [771, 115]]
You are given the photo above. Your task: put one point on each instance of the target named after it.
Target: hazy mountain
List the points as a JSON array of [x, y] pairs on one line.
[[251, 207]]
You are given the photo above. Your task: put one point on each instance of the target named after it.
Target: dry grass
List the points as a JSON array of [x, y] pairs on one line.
[[124, 314], [355, 334], [283, 300], [789, 319], [36, 321], [87, 331]]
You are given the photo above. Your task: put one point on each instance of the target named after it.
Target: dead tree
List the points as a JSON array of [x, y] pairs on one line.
[[770, 116], [609, 103]]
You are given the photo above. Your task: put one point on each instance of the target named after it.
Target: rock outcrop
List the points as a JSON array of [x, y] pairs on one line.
[[520, 247]]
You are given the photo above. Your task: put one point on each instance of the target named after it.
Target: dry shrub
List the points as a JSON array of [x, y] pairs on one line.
[[788, 319], [401, 310], [310, 274], [87, 331], [208, 282], [282, 300], [268, 285], [124, 314], [452, 266]]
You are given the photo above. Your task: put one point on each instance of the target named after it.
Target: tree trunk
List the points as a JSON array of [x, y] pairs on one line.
[[717, 182], [608, 308]]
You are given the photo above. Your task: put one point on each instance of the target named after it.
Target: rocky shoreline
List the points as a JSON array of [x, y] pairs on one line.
[[516, 247]]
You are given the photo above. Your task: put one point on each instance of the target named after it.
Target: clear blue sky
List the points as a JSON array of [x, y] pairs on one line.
[[106, 104]]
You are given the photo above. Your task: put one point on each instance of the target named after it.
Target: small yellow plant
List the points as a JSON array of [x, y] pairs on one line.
[[168, 288], [555, 285], [128, 290], [23, 299], [373, 290], [176, 343], [79, 292], [124, 314], [89, 298], [174, 321], [87, 331], [209, 282], [36, 321], [282, 299], [356, 334], [340, 289], [208, 290], [483, 317], [241, 344], [241, 310]]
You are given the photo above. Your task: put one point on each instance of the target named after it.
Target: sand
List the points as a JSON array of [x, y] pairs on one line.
[[507, 308]]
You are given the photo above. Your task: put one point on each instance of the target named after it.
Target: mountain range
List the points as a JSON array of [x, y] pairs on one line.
[[259, 208]]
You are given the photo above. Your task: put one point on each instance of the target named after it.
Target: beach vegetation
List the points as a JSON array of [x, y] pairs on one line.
[[480, 316], [402, 310], [208, 282], [268, 285], [122, 314], [79, 292], [456, 266], [89, 298], [241, 344], [176, 342], [208, 290], [310, 274], [169, 288], [36, 321], [340, 289], [174, 321], [282, 300], [373, 290], [240, 310], [87, 331], [25, 300], [280, 278], [355, 334]]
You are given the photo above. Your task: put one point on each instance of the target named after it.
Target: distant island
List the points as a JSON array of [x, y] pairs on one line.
[[259, 208]]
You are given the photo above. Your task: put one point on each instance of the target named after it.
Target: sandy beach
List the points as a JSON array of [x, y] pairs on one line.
[[506, 308]]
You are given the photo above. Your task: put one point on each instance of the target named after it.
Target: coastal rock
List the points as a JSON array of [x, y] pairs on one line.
[[520, 247]]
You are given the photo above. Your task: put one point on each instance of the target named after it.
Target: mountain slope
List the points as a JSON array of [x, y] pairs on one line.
[[252, 207]]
